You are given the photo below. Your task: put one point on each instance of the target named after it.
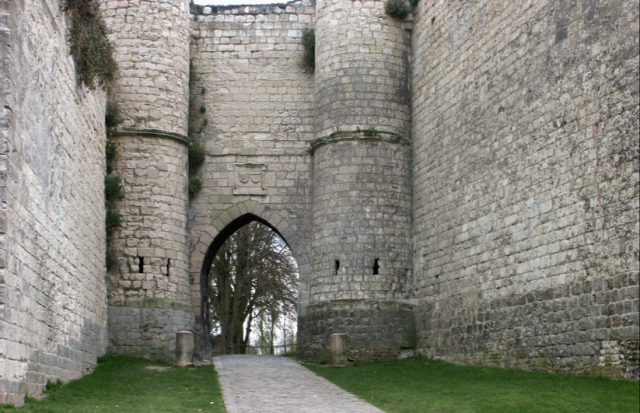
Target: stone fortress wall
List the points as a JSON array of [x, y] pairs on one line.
[[525, 142], [482, 155], [53, 313]]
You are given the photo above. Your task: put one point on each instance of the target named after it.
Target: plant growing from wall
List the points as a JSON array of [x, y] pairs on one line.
[[113, 221], [201, 110], [195, 8], [396, 9], [196, 157], [195, 186], [111, 152], [91, 49], [112, 193], [111, 119], [309, 44], [197, 154], [197, 124], [192, 70], [113, 190]]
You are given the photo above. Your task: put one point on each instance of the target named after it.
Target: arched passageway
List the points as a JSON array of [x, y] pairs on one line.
[[250, 290], [222, 229]]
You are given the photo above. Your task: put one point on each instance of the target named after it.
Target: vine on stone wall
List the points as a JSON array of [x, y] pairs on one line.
[[197, 154], [197, 124], [309, 44], [113, 190], [111, 119], [91, 49]]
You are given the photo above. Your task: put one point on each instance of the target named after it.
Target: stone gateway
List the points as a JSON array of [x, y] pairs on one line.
[[462, 183]]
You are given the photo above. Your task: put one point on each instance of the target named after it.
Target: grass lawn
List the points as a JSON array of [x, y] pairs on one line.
[[125, 384], [421, 385]]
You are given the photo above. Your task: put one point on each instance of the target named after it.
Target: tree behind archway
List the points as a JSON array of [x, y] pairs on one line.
[[253, 272]]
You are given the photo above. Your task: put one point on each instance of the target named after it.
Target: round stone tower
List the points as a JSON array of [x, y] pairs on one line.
[[361, 265], [149, 293]]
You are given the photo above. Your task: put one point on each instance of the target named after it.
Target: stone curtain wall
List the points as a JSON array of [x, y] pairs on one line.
[[149, 294], [525, 145], [258, 105], [52, 140]]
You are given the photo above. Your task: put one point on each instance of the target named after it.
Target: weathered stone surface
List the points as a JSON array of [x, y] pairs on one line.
[[151, 85], [361, 187], [146, 331], [338, 349], [52, 291], [252, 107], [152, 258], [273, 384], [185, 341], [377, 330], [362, 62], [362, 213], [474, 169], [525, 139], [150, 284]]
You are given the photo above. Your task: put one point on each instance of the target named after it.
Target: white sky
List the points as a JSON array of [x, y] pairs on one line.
[[226, 2]]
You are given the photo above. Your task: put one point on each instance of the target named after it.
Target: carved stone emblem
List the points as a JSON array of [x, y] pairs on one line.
[[249, 179]]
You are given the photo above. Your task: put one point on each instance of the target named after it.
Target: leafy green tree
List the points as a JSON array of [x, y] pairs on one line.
[[252, 273]]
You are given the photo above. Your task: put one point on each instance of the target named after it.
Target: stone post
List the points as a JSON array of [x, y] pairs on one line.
[[338, 349], [184, 348]]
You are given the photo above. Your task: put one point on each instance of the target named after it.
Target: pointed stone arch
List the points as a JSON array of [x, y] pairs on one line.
[[226, 223], [253, 211]]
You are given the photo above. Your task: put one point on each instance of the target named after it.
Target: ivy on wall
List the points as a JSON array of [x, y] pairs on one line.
[[91, 49], [309, 44], [197, 155], [197, 124], [113, 190]]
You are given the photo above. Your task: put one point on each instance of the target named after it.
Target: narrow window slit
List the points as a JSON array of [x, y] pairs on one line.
[[376, 267], [168, 267], [141, 265], [337, 266]]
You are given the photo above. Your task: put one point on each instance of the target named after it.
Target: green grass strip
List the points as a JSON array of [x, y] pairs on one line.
[[421, 385], [125, 384]]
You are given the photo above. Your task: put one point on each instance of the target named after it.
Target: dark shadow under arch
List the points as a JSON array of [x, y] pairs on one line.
[[217, 242]]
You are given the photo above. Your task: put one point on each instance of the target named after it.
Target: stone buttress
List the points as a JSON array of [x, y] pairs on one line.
[[361, 265], [149, 296]]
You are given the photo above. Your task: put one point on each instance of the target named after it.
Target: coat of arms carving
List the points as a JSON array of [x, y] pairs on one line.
[[249, 179]]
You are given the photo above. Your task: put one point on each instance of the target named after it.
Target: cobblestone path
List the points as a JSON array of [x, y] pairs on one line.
[[270, 384]]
